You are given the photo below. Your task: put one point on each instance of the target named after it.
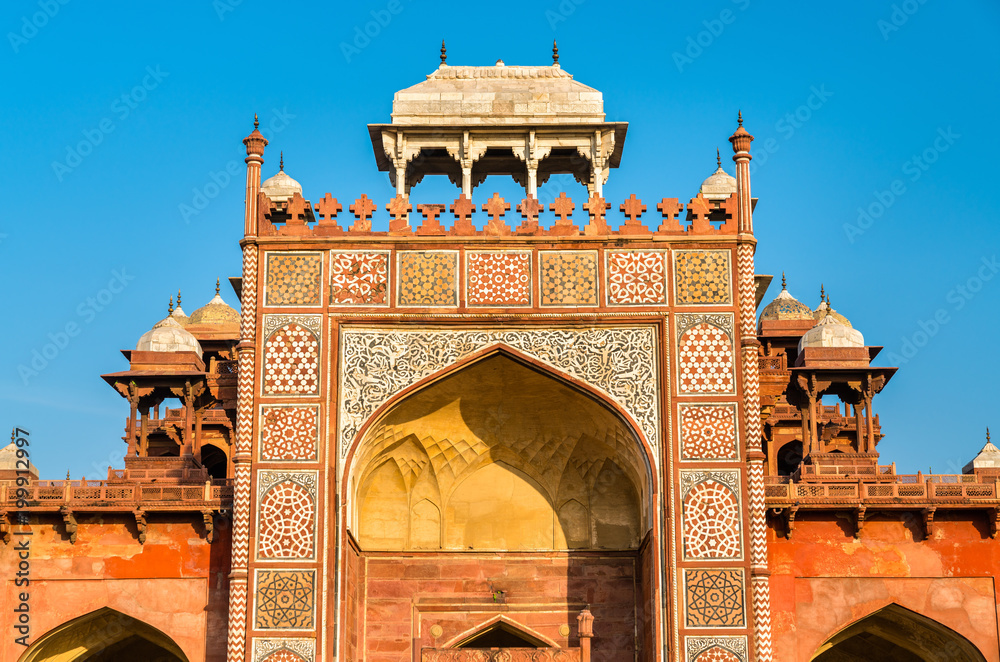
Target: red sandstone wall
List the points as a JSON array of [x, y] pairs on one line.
[[823, 579], [354, 596], [408, 594], [646, 603], [176, 582]]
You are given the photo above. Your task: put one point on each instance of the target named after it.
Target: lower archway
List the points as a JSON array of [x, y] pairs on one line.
[[105, 635], [896, 634]]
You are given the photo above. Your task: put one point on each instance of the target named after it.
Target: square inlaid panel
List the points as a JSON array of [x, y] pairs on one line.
[[714, 598], [708, 432], [293, 279], [284, 599], [428, 278], [359, 278], [636, 277], [569, 278], [498, 279], [288, 433], [702, 277]]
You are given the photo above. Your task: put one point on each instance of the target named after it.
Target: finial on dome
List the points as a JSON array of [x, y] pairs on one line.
[[555, 52], [822, 293], [444, 54], [281, 164], [256, 122], [170, 308], [987, 434], [216, 286], [178, 297], [828, 300], [739, 117], [783, 281], [718, 157], [67, 474], [500, 63]]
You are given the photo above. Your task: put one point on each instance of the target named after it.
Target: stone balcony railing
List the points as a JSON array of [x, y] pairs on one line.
[[947, 488], [500, 655], [93, 493]]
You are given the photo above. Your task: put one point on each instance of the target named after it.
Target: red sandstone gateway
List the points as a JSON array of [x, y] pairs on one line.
[[545, 439]]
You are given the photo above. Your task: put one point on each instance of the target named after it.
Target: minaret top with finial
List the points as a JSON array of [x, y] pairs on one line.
[[255, 142], [741, 138], [555, 54], [444, 55]]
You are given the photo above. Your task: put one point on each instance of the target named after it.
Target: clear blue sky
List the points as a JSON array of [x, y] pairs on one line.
[[842, 97]]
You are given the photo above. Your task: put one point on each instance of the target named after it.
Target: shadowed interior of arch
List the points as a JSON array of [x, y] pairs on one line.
[[499, 455], [897, 634], [105, 635]]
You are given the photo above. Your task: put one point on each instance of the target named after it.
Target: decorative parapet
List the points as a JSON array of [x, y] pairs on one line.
[[297, 217], [500, 655], [102, 495]]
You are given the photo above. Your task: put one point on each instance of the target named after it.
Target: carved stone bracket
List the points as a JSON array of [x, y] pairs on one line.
[[140, 524], [208, 516], [859, 521], [928, 514], [70, 521], [5, 529]]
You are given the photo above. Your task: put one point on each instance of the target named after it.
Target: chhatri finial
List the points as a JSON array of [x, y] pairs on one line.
[[178, 298], [555, 53], [281, 164], [170, 308], [67, 474], [444, 54], [828, 300], [822, 293], [739, 118], [256, 122], [216, 287], [987, 435], [783, 280], [718, 157]]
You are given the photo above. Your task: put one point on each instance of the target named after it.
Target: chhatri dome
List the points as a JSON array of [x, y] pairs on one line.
[[281, 187], [831, 332], [720, 184], [217, 312], [785, 307], [168, 335], [824, 305]]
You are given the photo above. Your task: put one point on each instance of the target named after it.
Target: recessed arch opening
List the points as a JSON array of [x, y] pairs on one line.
[[104, 635], [499, 455], [897, 634]]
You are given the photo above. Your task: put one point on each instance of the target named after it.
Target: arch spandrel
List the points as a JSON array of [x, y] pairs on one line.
[[498, 449]]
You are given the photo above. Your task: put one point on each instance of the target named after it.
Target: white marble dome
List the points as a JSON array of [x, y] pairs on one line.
[[281, 187], [830, 332], [719, 185], [168, 335]]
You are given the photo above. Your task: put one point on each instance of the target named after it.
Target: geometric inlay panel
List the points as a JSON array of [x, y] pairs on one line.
[[714, 598], [284, 650], [293, 279], [378, 363], [569, 278], [716, 649], [708, 432], [428, 278], [286, 508], [636, 277], [498, 279], [285, 599], [291, 354], [705, 354], [288, 433], [712, 518], [702, 277], [359, 278]]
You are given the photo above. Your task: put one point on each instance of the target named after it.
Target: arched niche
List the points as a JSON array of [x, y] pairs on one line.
[[897, 634], [499, 455], [104, 635]]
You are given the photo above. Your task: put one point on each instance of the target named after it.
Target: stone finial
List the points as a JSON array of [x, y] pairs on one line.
[[256, 121], [178, 297], [444, 55], [555, 54], [987, 434], [822, 293], [170, 308], [718, 157], [216, 287], [783, 281], [281, 162]]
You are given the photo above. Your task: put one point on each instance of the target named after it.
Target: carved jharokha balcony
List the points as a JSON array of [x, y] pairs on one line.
[[501, 655]]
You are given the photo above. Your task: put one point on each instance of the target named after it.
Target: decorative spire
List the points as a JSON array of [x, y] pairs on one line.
[[216, 287], [718, 157], [178, 297], [739, 117], [67, 474], [256, 122], [987, 435], [783, 281], [828, 300], [281, 164], [170, 308], [444, 54], [822, 293], [555, 53]]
